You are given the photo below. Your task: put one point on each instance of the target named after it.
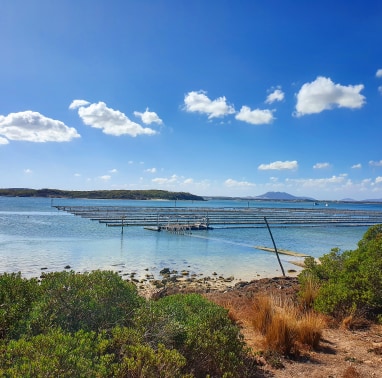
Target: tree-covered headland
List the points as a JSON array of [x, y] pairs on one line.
[[153, 194]]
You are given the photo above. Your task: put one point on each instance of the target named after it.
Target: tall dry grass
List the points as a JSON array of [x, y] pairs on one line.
[[286, 327], [309, 291]]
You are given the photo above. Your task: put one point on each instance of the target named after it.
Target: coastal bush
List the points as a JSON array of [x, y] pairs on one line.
[[350, 282], [199, 329], [93, 301], [16, 297], [88, 354], [55, 354], [96, 325]]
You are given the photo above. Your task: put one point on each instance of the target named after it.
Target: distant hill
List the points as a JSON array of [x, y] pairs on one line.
[[282, 196], [101, 194]]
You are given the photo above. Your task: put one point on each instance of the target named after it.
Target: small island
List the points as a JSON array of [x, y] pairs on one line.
[[153, 194]]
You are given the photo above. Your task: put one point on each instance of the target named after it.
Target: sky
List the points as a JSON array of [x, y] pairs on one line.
[[215, 98]]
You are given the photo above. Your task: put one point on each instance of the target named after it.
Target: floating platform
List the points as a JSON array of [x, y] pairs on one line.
[[178, 227]]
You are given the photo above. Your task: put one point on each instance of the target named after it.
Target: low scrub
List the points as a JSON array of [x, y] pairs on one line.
[[96, 325], [348, 282]]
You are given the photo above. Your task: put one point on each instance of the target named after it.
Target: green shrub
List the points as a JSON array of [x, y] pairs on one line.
[[16, 297], [200, 330], [92, 302], [55, 354], [88, 354], [351, 281]]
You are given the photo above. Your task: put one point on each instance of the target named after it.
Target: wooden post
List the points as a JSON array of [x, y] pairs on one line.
[[274, 245]]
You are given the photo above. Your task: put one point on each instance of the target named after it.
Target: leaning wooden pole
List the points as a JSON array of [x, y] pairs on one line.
[[274, 245]]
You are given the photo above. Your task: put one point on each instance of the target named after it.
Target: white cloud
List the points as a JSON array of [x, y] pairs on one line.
[[77, 175], [276, 95], [375, 163], [255, 117], [110, 121], [279, 165], [34, 127], [322, 94], [357, 166], [319, 182], [4, 140], [105, 177], [113, 171], [148, 117], [379, 73], [78, 103], [28, 171], [378, 180], [200, 103], [151, 170], [321, 165], [163, 180], [233, 183]]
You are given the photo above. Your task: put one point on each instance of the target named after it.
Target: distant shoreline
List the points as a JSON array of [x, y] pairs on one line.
[[145, 195]]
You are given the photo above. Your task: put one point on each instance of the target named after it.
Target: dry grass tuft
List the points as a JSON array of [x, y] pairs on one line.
[[285, 326], [351, 372], [309, 292], [355, 321]]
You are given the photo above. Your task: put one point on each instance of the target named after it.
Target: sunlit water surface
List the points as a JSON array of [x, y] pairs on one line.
[[36, 237]]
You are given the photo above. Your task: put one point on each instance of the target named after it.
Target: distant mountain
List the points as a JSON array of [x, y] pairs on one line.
[[282, 196]]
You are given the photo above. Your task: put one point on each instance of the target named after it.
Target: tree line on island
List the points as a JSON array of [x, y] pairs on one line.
[[152, 194]]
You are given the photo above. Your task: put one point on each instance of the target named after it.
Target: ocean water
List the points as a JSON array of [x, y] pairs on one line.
[[35, 237]]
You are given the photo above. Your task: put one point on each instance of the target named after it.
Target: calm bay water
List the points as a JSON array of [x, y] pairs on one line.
[[35, 237]]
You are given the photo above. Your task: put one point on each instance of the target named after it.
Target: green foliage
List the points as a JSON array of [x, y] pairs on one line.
[[94, 301], [96, 325], [200, 330], [16, 297], [87, 354], [350, 281], [55, 354], [101, 194]]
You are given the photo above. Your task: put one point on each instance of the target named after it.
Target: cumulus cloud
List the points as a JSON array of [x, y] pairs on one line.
[[321, 165], [322, 94], [375, 163], [357, 166], [148, 117], [256, 116], [200, 103], [113, 170], [233, 183], [105, 177], [378, 180], [151, 170], [279, 165], [276, 95], [4, 140], [166, 180], [379, 73], [78, 103], [110, 121], [34, 127]]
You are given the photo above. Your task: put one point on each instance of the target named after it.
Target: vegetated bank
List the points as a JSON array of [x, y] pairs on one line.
[[152, 194]]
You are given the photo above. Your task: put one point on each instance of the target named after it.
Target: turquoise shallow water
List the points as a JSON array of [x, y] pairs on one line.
[[35, 237]]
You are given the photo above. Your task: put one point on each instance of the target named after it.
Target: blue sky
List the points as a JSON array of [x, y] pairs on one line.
[[217, 97]]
